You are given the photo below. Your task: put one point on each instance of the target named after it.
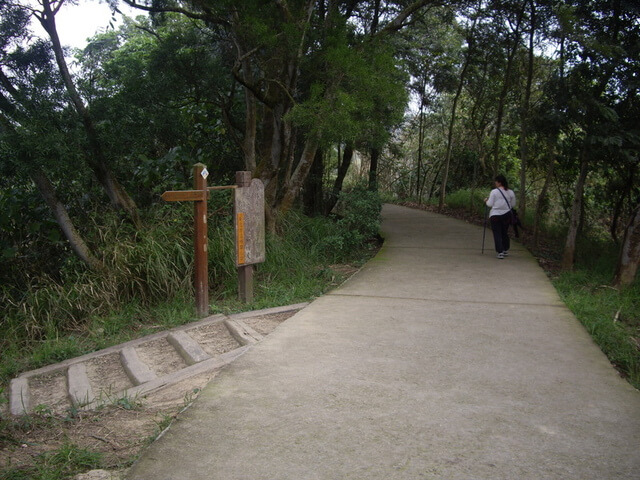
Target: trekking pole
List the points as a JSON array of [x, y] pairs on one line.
[[484, 230]]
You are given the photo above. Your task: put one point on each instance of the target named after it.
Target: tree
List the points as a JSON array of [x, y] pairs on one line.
[[452, 121], [296, 64], [30, 123], [95, 158], [629, 257], [597, 83]]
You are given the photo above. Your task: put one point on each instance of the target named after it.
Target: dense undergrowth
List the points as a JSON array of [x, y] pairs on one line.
[[610, 315], [147, 281]]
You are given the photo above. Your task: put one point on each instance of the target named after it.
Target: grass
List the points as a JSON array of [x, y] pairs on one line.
[[611, 316], [62, 463]]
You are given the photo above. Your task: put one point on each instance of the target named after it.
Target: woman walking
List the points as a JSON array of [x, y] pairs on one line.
[[501, 200]]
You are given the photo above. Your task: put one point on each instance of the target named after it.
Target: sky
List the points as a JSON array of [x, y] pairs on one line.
[[78, 22]]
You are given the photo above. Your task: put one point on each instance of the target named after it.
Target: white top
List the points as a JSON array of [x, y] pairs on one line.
[[497, 202]]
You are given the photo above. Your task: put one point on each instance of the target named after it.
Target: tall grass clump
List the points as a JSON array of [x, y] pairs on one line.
[[611, 316], [51, 320], [147, 266]]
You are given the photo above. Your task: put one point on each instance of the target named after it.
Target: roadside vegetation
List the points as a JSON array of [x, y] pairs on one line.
[[148, 282], [149, 288]]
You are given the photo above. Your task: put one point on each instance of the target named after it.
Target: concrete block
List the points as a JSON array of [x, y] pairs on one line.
[[19, 396], [187, 347], [243, 333], [137, 371], [80, 392]]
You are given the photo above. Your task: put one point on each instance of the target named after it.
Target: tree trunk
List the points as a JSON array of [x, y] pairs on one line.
[[435, 181], [294, 184], [312, 194], [59, 211], [537, 220], [626, 192], [420, 144], [343, 168], [629, 257], [503, 94], [447, 158], [524, 130], [250, 131], [95, 160], [373, 169], [569, 254]]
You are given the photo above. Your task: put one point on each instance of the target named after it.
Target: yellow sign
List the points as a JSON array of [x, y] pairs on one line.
[[240, 238]]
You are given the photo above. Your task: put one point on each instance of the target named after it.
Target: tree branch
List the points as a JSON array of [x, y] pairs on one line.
[[399, 22], [206, 15]]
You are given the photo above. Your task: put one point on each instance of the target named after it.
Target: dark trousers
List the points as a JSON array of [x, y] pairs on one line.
[[500, 228]]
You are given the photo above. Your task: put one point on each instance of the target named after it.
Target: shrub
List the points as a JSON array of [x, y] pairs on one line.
[[358, 221]]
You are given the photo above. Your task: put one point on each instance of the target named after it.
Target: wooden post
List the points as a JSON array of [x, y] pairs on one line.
[[245, 272], [201, 282]]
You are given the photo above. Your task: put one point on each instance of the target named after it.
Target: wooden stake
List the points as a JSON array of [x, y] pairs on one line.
[[200, 242]]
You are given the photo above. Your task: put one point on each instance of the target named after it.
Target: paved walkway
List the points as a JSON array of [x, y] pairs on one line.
[[433, 362]]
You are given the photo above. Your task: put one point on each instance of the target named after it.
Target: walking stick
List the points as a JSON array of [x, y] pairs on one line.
[[484, 230]]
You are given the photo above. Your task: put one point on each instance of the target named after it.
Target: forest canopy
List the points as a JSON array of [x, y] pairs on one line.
[[416, 99]]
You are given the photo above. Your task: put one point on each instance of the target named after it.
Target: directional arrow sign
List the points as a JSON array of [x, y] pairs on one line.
[[184, 196]]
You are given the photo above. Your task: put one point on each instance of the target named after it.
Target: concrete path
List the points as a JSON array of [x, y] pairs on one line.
[[433, 362]]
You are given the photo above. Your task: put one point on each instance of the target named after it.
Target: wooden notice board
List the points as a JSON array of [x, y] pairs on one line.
[[249, 223]]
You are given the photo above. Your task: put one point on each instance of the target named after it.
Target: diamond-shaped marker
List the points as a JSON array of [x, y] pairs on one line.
[[204, 173]]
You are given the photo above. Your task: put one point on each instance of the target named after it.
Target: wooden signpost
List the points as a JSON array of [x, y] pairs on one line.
[[249, 231], [248, 206], [199, 195]]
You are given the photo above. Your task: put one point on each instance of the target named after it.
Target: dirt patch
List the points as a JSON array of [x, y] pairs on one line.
[[344, 269], [106, 375], [119, 431], [265, 324], [214, 338], [160, 356], [51, 391]]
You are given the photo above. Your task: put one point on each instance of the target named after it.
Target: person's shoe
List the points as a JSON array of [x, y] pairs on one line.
[[505, 254], [500, 255]]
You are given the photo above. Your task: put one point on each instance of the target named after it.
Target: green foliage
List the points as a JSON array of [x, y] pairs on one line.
[[360, 94], [358, 221], [611, 316], [60, 464], [467, 199], [163, 81], [148, 279]]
